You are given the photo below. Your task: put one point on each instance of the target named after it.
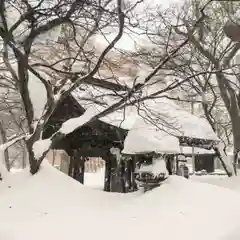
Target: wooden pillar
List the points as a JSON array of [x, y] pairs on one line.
[[107, 178], [122, 176], [65, 161], [129, 175], [81, 169], [71, 164], [133, 169], [115, 185], [177, 164], [76, 165], [169, 161]]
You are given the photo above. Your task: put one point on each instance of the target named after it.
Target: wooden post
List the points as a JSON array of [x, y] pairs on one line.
[[82, 169], [76, 165], [115, 185], [70, 169], [65, 161], [107, 178], [133, 169], [169, 164], [177, 164], [129, 175], [122, 176]]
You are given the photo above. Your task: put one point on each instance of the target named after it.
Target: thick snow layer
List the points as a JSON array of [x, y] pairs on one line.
[[38, 95], [144, 138], [221, 181], [74, 123], [41, 146], [163, 112], [159, 166], [50, 205]]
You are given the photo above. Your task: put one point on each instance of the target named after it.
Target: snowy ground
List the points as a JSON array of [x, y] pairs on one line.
[[50, 205], [95, 180], [232, 183]]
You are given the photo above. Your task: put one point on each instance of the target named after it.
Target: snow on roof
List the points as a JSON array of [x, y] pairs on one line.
[[163, 113], [188, 150], [145, 138]]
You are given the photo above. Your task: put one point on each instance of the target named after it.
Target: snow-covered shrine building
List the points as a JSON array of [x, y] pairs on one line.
[[154, 126]]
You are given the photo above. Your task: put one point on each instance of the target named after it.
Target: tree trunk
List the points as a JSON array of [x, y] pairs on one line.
[[24, 156], [222, 161], [34, 163], [34, 166], [235, 119], [4, 140], [236, 142]]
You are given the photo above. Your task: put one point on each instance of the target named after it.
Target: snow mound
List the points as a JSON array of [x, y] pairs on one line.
[[221, 181], [50, 205]]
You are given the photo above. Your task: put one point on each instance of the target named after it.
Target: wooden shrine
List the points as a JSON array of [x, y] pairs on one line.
[[92, 140], [97, 139]]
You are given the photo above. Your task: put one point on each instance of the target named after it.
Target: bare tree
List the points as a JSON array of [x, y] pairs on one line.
[[39, 19], [25, 51], [12, 119], [209, 58], [4, 140], [219, 52]]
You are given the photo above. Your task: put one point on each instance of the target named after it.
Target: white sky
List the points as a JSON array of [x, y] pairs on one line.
[[127, 42]]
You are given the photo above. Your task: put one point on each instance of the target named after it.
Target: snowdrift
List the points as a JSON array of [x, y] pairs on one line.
[[223, 181], [50, 205]]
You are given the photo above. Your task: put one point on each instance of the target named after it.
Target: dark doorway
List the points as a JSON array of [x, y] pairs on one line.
[[204, 162]]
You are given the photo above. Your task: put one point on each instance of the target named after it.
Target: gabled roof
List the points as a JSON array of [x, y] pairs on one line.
[[162, 113]]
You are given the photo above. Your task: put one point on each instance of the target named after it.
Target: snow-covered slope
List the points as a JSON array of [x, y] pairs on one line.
[[221, 181], [50, 206]]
